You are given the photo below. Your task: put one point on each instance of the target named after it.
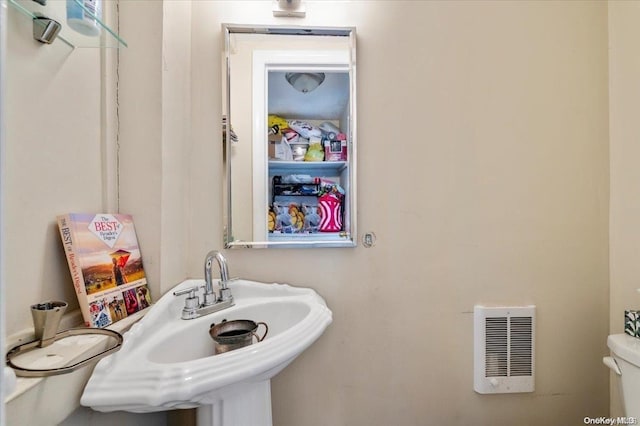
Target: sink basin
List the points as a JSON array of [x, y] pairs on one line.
[[166, 362], [279, 315]]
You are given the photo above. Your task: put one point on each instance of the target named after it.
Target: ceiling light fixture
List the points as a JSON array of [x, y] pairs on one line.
[[290, 8], [305, 82]]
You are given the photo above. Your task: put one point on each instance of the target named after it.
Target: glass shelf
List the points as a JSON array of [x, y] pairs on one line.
[[57, 10]]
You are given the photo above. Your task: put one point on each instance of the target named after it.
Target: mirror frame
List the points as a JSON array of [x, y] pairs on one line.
[[346, 240]]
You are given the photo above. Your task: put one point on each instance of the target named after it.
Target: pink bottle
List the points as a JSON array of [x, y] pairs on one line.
[[330, 208]]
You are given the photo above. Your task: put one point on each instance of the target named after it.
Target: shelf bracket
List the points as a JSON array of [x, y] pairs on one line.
[[45, 30]]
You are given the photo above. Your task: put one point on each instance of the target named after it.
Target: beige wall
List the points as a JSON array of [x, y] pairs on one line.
[[155, 116], [53, 163], [624, 100], [483, 170]]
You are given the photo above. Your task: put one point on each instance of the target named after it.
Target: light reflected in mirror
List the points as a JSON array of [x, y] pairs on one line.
[[290, 138]]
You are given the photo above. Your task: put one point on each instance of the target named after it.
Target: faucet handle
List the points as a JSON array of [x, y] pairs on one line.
[[223, 284], [191, 302], [190, 290], [225, 291]]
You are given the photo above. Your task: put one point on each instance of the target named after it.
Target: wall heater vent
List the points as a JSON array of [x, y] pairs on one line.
[[504, 348]]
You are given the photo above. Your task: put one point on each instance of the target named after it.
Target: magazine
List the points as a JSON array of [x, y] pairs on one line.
[[106, 266]]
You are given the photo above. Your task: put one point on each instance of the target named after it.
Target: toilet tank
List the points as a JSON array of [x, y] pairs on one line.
[[625, 350]]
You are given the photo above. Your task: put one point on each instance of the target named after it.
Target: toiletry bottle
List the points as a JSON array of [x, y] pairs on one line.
[[80, 20]]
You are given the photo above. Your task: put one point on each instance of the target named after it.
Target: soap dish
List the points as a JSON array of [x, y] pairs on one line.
[[44, 361]]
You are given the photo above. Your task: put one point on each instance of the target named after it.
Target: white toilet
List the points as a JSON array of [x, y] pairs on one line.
[[625, 362]]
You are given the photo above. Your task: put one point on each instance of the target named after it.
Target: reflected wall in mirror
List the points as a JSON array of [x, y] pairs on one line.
[[290, 136]]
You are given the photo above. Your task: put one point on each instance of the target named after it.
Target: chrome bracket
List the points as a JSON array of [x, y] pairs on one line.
[[45, 30], [34, 345]]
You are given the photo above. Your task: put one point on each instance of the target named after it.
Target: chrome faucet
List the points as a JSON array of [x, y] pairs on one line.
[[225, 292], [212, 303]]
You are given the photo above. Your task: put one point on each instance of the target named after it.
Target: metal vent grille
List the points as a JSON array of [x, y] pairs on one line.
[[504, 348], [496, 347], [521, 355]]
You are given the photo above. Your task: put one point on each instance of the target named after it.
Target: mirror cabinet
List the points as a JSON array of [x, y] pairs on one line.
[[289, 133]]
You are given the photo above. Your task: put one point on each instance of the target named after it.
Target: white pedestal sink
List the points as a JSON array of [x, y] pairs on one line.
[[166, 362]]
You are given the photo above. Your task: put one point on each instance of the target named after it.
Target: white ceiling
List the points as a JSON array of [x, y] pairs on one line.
[[327, 102]]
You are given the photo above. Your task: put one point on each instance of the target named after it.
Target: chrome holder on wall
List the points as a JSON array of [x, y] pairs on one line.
[[35, 345], [45, 30]]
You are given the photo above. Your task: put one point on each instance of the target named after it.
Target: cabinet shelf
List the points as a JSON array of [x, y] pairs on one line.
[[314, 167], [56, 10], [296, 189], [321, 238]]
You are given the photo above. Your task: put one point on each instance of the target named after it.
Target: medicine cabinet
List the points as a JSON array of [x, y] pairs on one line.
[[289, 136]]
